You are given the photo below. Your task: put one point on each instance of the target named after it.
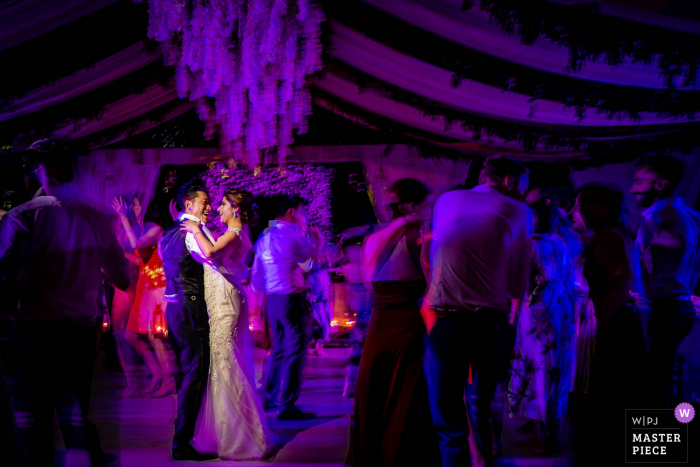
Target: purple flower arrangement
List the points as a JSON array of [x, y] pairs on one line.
[[309, 181], [245, 64]]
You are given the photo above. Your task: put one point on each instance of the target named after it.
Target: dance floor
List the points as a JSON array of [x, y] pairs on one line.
[[137, 432]]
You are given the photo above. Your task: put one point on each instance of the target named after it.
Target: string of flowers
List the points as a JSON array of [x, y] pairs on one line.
[[245, 64], [312, 183]]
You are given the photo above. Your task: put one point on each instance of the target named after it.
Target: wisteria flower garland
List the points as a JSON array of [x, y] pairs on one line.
[[313, 183], [245, 64]]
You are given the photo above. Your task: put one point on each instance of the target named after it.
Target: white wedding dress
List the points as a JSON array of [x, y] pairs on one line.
[[231, 421]]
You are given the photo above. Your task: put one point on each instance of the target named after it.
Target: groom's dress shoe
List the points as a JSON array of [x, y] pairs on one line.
[[294, 415], [190, 454]]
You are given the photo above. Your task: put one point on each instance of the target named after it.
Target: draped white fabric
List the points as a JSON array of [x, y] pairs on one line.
[[432, 82], [473, 29], [119, 112], [21, 20], [646, 15], [114, 67]]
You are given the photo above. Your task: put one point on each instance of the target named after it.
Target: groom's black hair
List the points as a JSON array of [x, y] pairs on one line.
[[188, 191], [289, 202]]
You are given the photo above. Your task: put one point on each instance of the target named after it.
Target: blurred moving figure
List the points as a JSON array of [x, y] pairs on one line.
[[359, 302], [669, 242], [480, 263], [143, 237], [616, 383], [320, 295], [544, 346], [55, 249], [276, 270], [392, 416]]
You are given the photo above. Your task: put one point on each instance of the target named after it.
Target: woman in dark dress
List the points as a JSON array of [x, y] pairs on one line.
[[616, 369], [392, 423]]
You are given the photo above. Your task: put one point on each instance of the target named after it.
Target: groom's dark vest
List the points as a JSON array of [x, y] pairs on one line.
[[183, 274]]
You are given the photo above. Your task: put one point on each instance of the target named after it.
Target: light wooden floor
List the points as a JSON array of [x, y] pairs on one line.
[[137, 432]]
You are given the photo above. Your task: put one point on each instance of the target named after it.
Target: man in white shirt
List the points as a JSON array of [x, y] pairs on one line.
[[277, 272], [669, 243], [480, 264]]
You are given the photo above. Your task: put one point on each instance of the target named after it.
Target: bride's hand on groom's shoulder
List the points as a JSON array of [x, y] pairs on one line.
[[189, 226]]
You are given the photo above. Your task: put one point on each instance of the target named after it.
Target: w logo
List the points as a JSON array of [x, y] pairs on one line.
[[684, 412]]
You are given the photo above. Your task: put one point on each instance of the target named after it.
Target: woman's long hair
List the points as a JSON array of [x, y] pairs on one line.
[[548, 218]]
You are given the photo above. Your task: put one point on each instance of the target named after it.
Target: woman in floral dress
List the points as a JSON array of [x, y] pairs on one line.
[[544, 348]]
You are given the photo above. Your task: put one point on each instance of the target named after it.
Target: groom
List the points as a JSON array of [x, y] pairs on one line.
[[188, 322]]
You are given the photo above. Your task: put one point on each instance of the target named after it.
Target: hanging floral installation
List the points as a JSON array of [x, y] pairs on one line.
[[245, 65], [312, 183]]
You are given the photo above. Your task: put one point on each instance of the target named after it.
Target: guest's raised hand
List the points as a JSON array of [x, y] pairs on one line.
[[189, 226], [119, 205]]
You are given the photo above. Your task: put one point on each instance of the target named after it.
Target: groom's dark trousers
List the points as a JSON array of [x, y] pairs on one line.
[[188, 328]]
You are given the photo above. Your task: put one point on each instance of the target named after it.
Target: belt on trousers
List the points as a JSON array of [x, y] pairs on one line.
[[180, 298]]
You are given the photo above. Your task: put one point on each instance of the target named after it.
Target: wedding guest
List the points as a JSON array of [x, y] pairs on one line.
[[359, 302], [669, 242], [585, 323], [480, 263], [55, 249], [122, 302], [544, 346], [277, 271], [616, 369], [143, 237], [392, 416], [319, 295]]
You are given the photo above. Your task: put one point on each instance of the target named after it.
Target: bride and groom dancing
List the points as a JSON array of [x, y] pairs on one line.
[[219, 412]]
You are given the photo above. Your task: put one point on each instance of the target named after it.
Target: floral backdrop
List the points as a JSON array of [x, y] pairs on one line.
[[245, 65], [311, 182]]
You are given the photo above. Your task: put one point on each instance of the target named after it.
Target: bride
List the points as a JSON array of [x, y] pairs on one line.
[[231, 421]]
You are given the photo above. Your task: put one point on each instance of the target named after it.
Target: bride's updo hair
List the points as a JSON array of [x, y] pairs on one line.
[[246, 202]]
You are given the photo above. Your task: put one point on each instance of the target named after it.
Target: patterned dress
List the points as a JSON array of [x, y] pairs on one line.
[[231, 421], [541, 372]]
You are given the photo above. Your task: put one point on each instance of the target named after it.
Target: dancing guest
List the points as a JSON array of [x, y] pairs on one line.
[[480, 263], [143, 239], [585, 323], [54, 249], [231, 421], [319, 295], [392, 415], [359, 301], [277, 271], [670, 248], [616, 369], [188, 321], [544, 346], [122, 302]]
